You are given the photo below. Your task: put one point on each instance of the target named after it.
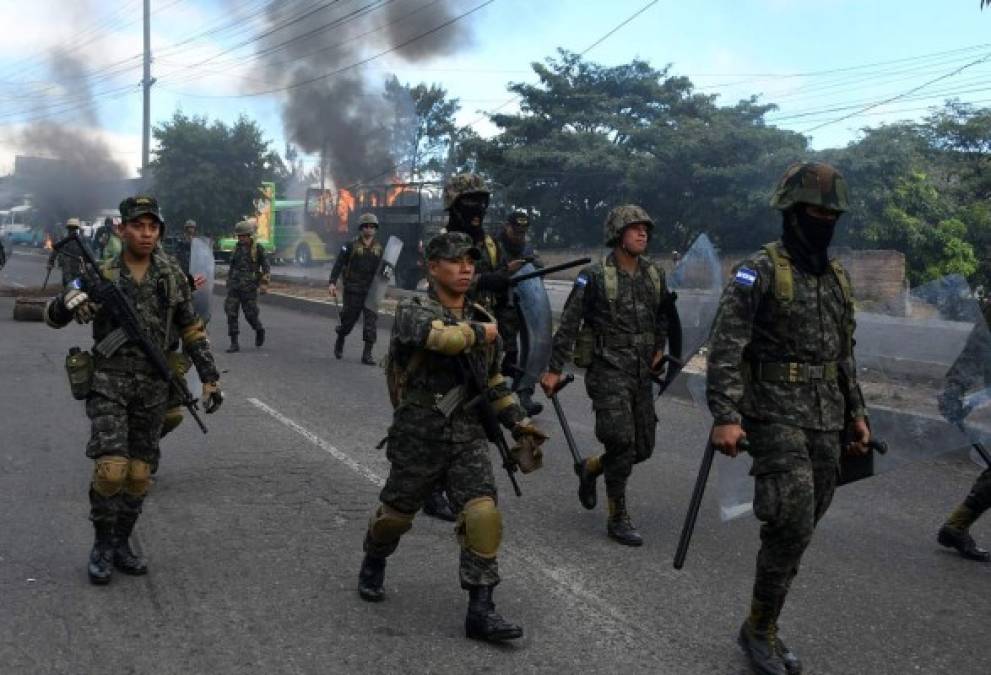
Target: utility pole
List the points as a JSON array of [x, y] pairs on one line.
[[146, 83]]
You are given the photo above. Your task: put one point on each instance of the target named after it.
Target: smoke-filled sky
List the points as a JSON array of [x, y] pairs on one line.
[[77, 62]]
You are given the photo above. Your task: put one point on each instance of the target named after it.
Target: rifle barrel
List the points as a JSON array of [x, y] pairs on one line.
[[519, 278]]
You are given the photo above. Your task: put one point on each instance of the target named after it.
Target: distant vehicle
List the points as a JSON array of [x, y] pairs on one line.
[[18, 227]]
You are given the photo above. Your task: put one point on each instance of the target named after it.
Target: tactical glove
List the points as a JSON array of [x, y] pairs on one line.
[[212, 397], [78, 303], [527, 452]]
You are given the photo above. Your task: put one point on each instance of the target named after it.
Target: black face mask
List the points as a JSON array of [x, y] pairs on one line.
[[464, 210], [807, 240]]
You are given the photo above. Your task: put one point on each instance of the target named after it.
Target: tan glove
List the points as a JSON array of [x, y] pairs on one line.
[[83, 309], [527, 453], [212, 397]]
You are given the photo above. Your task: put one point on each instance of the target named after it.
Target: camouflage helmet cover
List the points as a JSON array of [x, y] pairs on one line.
[[622, 217], [244, 227], [368, 219], [812, 183], [463, 184]]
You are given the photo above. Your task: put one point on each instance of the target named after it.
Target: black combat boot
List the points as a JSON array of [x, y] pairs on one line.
[[586, 484], [619, 526], [259, 337], [339, 346], [761, 647], [124, 558], [101, 557], [961, 540], [371, 577], [366, 356], [235, 347], [531, 407], [484, 622], [793, 664], [438, 506]]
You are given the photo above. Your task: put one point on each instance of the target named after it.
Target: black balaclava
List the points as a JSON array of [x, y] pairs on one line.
[[464, 209], [807, 239]]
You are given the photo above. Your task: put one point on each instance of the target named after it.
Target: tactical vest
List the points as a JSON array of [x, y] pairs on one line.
[[783, 285], [358, 249]]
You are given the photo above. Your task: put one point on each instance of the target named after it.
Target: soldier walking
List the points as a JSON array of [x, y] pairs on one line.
[[66, 258], [125, 396], [357, 264], [781, 373], [248, 275], [430, 442], [615, 321], [184, 247]]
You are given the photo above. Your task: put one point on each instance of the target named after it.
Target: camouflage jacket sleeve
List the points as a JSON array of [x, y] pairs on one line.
[[264, 265], [340, 262], [731, 332], [571, 321], [191, 329]]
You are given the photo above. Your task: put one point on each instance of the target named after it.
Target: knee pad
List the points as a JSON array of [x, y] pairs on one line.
[[138, 478], [173, 418], [479, 527], [109, 475], [387, 524]]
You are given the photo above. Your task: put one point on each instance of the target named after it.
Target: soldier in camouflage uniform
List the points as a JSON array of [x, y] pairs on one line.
[[248, 275], [970, 368], [617, 313], [126, 397], [434, 438], [357, 264], [184, 247], [781, 373], [67, 258]]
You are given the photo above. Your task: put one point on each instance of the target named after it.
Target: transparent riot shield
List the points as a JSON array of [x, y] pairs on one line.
[[201, 262], [536, 329], [386, 274]]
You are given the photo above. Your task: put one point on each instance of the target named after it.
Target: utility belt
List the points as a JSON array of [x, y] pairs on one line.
[[121, 363], [794, 373], [621, 340], [445, 403]]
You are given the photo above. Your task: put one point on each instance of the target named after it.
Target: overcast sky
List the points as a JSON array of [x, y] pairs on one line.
[[818, 61]]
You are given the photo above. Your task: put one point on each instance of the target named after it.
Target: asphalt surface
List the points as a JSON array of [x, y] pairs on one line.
[[253, 535]]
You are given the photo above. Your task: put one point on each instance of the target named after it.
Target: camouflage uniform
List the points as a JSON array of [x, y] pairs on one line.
[[784, 368], [67, 259], [183, 252], [248, 270], [506, 314], [127, 398], [357, 265]]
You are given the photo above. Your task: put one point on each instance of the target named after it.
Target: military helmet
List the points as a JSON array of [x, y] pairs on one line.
[[622, 217], [72, 222], [244, 227], [463, 184], [812, 183], [368, 219], [190, 224], [518, 219]]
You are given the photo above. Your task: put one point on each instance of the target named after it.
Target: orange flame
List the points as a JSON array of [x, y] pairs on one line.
[[48, 242], [345, 205], [392, 192]]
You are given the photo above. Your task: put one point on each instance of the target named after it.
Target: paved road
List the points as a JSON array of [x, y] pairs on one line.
[[253, 535]]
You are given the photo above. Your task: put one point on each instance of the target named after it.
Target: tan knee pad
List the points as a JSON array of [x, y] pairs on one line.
[[388, 525], [173, 418], [138, 478], [479, 527], [109, 475]]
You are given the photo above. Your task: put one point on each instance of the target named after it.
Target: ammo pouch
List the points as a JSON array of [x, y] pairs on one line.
[[584, 347], [79, 368]]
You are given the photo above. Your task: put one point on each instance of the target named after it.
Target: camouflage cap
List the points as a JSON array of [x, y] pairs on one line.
[[518, 219], [244, 227], [72, 222], [463, 184], [622, 217], [368, 219], [140, 205], [451, 246], [812, 183]]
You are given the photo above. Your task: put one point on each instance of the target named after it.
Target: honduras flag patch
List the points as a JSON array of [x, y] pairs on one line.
[[581, 280], [745, 277]]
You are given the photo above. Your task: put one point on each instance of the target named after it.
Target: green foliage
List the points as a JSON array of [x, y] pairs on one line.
[[423, 125], [210, 172]]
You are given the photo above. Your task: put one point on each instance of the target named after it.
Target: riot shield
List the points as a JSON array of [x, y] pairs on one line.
[[534, 307], [385, 276], [201, 262]]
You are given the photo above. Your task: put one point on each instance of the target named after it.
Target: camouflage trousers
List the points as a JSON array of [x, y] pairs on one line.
[[126, 408], [625, 422], [795, 472], [979, 499], [246, 299], [464, 471], [354, 307]]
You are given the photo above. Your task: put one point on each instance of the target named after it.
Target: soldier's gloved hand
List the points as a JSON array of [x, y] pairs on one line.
[[212, 397], [83, 309], [527, 452], [951, 407]]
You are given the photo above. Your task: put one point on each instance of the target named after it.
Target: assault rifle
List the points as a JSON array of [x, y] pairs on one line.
[[477, 396], [110, 297]]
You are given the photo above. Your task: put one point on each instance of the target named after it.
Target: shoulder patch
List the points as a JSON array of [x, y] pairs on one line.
[[745, 277], [581, 280]]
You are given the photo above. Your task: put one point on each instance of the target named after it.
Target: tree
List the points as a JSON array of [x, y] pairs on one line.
[[423, 126], [210, 172]]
